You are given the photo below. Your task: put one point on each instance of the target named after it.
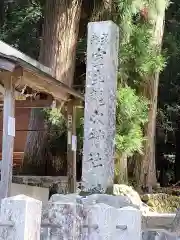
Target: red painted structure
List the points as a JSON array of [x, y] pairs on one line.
[[22, 121]]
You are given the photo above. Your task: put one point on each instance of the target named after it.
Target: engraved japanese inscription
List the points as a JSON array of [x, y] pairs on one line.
[[100, 106]]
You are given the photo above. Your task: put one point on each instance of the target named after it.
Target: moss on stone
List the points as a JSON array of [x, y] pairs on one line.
[[162, 202]]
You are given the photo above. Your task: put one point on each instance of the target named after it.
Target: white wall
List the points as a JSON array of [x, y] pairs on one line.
[[39, 193]]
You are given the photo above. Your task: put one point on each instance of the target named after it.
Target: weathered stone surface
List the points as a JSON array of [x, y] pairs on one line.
[[158, 236], [113, 201], [171, 234], [100, 106], [176, 224], [25, 213], [131, 218], [68, 216], [92, 206], [129, 192], [73, 198], [149, 235], [98, 222], [112, 223]]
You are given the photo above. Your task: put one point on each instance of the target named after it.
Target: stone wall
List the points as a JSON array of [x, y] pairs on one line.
[[61, 182]]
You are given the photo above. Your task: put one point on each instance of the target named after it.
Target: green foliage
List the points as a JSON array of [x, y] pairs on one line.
[[131, 115], [139, 60], [21, 27], [80, 129], [57, 131], [162, 203], [54, 118]]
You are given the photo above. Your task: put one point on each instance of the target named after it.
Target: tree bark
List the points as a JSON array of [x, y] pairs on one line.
[[148, 168], [121, 172], [35, 150], [58, 52], [2, 12], [58, 48], [102, 10], [147, 174], [177, 158]]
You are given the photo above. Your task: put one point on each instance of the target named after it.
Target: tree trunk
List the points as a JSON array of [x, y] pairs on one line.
[[2, 12], [121, 173], [177, 158], [58, 52], [58, 49], [148, 168], [33, 163], [147, 174], [102, 10]]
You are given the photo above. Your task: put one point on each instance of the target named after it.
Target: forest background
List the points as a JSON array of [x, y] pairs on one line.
[[148, 102]]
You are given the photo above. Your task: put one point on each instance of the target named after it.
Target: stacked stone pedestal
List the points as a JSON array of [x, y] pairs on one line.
[[97, 216], [100, 216]]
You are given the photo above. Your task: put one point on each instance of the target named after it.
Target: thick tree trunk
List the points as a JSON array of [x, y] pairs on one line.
[[121, 172], [61, 28], [35, 151], [147, 174], [148, 168], [58, 52]]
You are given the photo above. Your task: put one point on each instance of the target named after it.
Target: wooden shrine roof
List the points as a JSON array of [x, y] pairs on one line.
[[31, 73]]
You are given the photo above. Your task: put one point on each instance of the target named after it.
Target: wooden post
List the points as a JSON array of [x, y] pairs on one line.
[[71, 149], [8, 138]]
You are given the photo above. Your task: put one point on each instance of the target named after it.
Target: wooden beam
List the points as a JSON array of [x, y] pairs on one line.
[[8, 138], [16, 75], [16, 155], [48, 84], [7, 65], [71, 151], [2, 90], [31, 104], [37, 76], [6, 51]]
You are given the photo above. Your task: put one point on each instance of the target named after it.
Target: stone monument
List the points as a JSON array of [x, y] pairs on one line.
[[100, 106]]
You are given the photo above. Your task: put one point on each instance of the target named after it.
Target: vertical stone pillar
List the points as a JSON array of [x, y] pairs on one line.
[[100, 106], [25, 213]]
